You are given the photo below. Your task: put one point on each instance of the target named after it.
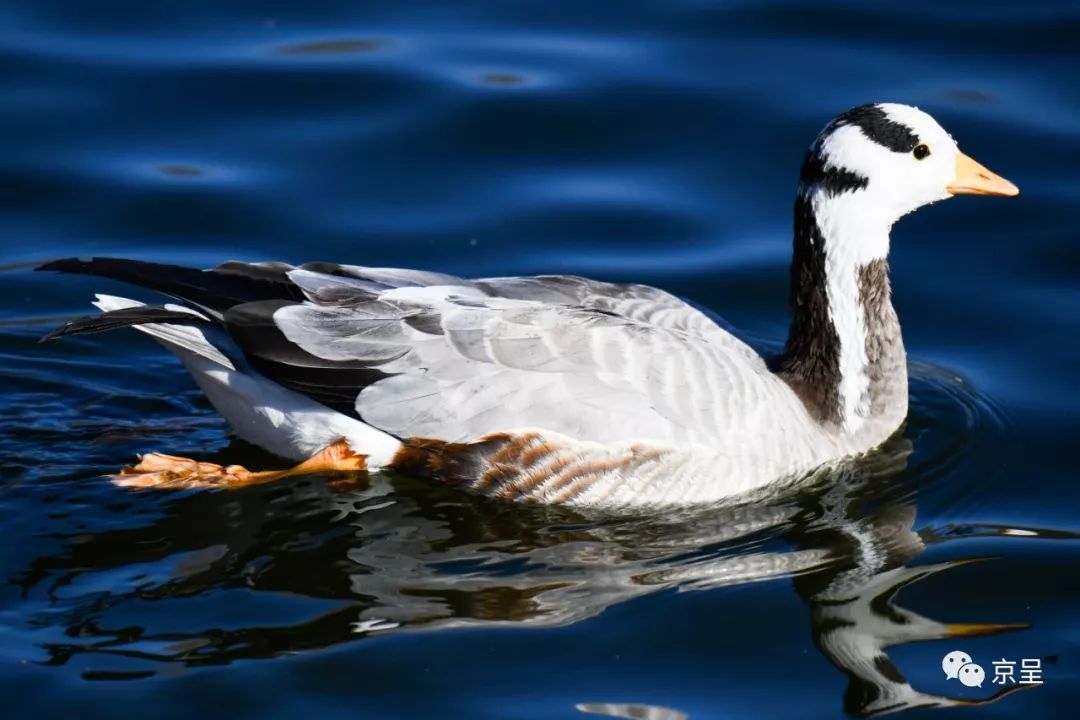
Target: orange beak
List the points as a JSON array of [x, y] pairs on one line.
[[973, 179], [955, 630]]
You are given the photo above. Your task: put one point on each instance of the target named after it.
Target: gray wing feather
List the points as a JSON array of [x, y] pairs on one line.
[[592, 360], [195, 340]]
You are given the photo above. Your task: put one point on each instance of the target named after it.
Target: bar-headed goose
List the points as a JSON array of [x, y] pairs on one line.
[[555, 388]]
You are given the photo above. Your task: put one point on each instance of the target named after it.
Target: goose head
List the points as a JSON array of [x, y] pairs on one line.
[[884, 160], [867, 168]]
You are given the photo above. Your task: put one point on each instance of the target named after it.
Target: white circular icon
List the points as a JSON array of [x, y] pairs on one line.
[[952, 663], [972, 675]]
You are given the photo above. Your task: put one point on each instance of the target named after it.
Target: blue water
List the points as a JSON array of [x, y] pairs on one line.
[[655, 142]]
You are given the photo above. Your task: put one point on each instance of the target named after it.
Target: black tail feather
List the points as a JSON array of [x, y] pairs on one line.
[[125, 317], [216, 290]]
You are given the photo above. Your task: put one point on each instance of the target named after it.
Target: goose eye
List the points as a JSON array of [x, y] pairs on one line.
[[920, 152]]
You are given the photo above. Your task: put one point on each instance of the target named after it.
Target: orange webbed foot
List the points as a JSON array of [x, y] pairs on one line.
[[169, 472]]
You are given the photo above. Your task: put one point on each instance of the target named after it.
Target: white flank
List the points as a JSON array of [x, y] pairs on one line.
[[282, 421], [258, 409]]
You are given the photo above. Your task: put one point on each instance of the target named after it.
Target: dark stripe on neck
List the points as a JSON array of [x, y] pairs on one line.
[[877, 126], [810, 363], [885, 358], [832, 180]]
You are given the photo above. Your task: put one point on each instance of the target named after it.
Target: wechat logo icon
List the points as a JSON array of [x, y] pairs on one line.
[[958, 666]]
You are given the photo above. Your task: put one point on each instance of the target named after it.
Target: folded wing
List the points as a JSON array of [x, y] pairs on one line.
[[417, 353], [436, 356]]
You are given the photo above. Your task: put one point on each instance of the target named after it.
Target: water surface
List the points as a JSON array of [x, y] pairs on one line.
[[653, 142]]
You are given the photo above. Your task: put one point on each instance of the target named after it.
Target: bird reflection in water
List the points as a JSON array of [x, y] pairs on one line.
[[392, 555], [633, 712]]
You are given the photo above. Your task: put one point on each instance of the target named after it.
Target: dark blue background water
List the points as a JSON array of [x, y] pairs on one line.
[[649, 141]]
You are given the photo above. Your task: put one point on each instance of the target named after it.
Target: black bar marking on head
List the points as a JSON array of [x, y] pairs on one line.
[[876, 125], [833, 180]]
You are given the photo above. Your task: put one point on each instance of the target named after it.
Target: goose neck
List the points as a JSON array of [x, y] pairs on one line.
[[844, 355]]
